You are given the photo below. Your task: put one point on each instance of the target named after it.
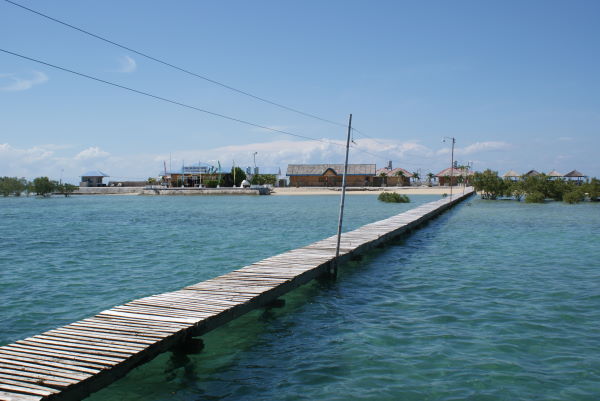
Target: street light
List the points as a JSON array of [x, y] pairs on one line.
[[452, 161]]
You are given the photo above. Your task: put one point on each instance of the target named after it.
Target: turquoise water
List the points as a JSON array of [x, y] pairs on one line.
[[495, 300]]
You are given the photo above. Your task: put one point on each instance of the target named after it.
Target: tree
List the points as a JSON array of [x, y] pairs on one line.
[[239, 175], [392, 197], [400, 175], [430, 178], [12, 186], [416, 176], [592, 188], [263, 179], [43, 186], [490, 185], [65, 189]]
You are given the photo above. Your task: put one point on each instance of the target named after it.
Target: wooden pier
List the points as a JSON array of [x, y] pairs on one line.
[[73, 361]]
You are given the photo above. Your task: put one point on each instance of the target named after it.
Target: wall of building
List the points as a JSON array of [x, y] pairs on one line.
[[330, 181]]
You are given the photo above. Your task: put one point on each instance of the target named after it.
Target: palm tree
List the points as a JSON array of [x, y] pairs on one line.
[[416, 176], [429, 178], [400, 175]]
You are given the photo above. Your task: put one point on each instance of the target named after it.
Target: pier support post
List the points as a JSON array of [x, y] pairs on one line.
[[189, 345], [276, 303]]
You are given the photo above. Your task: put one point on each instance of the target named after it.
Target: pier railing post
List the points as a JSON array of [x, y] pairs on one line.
[[333, 266]]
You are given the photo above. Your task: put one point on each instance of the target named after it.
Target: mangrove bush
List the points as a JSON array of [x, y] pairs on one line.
[[393, 197]]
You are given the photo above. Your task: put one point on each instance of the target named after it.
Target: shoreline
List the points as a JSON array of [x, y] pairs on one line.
[[277, 191], [291, 191]]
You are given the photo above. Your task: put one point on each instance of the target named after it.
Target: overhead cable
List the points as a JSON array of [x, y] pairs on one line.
[[181, 69], [167, 100]]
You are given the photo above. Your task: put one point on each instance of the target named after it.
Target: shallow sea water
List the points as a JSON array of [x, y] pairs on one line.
[[494, 300]]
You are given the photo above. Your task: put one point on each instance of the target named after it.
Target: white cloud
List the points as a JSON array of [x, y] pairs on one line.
[[127, 65], [57, 161], [15, 83], [477, 147], [91, 153]]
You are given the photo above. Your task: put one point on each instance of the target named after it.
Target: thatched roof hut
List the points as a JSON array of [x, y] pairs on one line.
[[532, 173], [450, 175], [455, 172], [338, 169], [325, 175], [395, 176], [395, 172], [555, 174], [575, 174], [511, 174]]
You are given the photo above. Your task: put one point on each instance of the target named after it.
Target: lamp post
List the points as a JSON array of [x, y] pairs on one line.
[[254, 156], [452, 161]]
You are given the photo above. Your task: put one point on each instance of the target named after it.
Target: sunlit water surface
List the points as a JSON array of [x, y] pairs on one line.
[[491, 301]]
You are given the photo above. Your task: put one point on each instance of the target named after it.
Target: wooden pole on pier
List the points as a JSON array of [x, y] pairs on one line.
[[333, 268], [452, 166]]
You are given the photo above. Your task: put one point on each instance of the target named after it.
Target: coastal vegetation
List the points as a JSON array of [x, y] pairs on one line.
[[535, 189], [392, 197], [41, 186], [13, 186], [263, 179], [239, 176]]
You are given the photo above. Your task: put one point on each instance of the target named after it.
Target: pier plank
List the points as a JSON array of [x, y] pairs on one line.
[[5, 396]]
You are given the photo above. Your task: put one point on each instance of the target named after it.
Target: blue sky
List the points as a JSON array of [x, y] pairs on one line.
[[516, 82]]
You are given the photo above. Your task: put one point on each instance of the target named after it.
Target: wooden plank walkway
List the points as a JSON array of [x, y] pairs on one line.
[[71, 362]]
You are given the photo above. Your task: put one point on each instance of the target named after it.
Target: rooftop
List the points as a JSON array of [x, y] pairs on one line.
[[94, 173], [319, 169], [393, 172]]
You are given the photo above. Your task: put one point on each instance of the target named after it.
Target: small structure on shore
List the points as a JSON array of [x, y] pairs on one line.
[[512, 175], [199, 175], [393, 176], [555, 175], [532, 173], [575, 175], [452, 176], [330, 175], [93, 179]]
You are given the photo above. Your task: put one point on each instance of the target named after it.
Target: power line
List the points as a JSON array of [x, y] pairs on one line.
[[167, 100], [365, 135], [221, 84], [177, 103], [406, 161]]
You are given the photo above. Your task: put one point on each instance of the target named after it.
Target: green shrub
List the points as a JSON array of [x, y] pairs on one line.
[[535, 197], [393, 197], [211, 183], [262, 179], [43, 186], [489, 184], [593, 189], [239, 174], [12, 186], [574, 196]]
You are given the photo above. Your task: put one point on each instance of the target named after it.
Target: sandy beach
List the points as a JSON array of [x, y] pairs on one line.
[[365, 190]]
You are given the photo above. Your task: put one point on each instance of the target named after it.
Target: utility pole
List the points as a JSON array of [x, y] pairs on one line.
[[233, 168], [254, 156], [334, 265]]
